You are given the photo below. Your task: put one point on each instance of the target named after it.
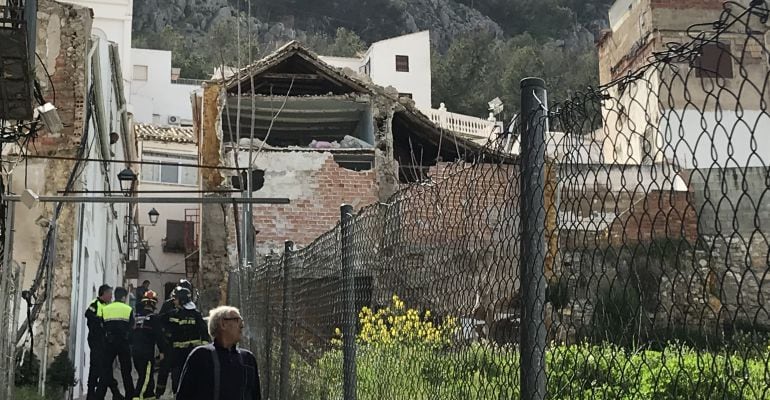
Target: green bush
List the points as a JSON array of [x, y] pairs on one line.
[[61, 374], [394, 364], [28, 371]]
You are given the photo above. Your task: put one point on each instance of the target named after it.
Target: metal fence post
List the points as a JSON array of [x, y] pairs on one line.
[[534, 124], [349, 317], [268, 328], [287, 263]]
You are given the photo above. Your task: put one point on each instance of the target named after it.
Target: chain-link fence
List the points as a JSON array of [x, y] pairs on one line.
[[10, 303], [616, 246]]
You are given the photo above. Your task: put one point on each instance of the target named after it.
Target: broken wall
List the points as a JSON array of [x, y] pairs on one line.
[[63, 33], [315, 185]]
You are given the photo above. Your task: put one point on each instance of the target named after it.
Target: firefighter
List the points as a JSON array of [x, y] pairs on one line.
[[146, 336], [165, 364], [186, 330], [95, 321], [118, 323]]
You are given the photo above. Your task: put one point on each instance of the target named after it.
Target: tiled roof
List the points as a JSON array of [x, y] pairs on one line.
[[177, 134]]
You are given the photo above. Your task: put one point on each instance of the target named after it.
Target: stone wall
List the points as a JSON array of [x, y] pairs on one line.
[[63, 33]]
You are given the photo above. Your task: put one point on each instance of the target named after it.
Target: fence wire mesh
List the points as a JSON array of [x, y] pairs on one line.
[[646, 228]]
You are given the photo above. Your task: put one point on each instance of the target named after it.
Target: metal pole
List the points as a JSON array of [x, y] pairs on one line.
[[287, 260], [268, 328], [534, 124], [164, 200], [49, 305], [349, 317], [18, 279], [5, 280]]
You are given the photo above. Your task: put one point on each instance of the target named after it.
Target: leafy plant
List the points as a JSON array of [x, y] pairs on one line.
[[61, 373], [27, 370]]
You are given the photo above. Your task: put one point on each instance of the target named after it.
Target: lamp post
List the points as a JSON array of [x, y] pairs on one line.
[[126, 178], [153, 214]]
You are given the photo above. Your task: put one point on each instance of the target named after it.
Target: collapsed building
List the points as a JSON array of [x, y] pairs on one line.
[[317, 135]]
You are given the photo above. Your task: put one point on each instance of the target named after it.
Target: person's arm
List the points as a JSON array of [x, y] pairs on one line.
[[203, 329], [192, 377]]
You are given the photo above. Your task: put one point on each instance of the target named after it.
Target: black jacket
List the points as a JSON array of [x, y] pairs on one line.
[[95, 321], [146, 336], [238, 375], [185, 329]]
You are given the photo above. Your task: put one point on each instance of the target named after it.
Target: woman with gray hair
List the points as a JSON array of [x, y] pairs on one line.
[[220, 370]]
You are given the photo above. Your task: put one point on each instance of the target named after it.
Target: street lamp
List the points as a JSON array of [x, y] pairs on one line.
[[126, 179], [154, 214]]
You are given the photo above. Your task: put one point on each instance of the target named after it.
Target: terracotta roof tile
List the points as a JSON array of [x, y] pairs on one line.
[[177, 134]]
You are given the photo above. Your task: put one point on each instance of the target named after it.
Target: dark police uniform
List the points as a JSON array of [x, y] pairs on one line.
[[118, 322], [146, 336], [213, 372], [95, 321]]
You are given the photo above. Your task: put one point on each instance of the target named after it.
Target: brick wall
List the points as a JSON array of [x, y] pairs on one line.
[[316, 187], [658, 215]]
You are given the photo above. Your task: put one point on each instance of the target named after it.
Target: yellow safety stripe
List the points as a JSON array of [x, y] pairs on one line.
[[189, 343], [117, 311], [184, 321], [147, 377]]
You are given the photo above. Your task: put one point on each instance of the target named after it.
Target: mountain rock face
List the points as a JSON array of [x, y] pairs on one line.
[[446, 20]]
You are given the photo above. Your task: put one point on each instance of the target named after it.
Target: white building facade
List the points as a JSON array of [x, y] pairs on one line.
[[112, 21], [169, 242], [402, 62], [158, 96]]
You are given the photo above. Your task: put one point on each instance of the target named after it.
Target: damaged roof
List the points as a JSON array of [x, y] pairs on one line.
[[175, 134], [293, 66]]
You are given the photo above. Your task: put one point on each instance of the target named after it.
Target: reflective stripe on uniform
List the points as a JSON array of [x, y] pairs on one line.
[[182, 321], [189, 343]]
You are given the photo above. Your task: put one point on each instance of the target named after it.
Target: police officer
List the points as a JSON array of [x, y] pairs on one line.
[[118, 323], [146, 336], [95, 321], [186, 329], [165, 364]]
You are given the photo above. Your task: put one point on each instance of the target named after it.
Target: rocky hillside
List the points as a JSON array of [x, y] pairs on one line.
[[204, 33]]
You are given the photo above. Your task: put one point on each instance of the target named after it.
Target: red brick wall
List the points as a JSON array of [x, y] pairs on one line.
[[660, 215], [68, 74], [317, 210]]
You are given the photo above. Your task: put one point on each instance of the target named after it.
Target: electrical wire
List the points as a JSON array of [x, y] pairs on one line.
[[65, 158], [50, 80]]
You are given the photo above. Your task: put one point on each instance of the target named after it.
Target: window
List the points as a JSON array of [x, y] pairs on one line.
[[409, 95], [402, 63], [140, 72], [176, 236], [172, 174], [714, 61]]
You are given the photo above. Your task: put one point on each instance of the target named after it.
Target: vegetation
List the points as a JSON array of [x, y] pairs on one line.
[[60, 377], [396, 361], [552, 39]]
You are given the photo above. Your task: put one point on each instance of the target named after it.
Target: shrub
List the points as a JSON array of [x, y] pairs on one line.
[[27, 370], [61, 373]]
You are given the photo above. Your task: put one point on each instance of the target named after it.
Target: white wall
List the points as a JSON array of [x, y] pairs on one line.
[[342, 62], [711, 140], [382, 58], [97, 258], [417, 81], [158, 96], [170, 266], [113, 18]]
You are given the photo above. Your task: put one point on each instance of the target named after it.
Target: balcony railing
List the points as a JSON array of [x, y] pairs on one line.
[[472, 127]]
